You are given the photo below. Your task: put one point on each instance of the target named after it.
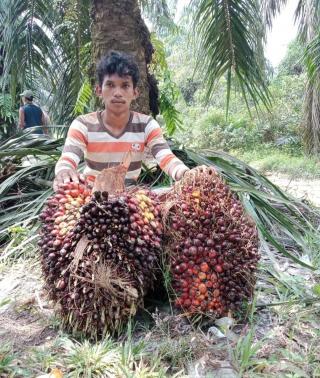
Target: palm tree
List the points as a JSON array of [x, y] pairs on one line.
[[307, 15]]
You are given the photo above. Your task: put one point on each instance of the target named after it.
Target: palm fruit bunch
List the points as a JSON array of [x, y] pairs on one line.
[[59, 217], [101, 266], [212, 245]]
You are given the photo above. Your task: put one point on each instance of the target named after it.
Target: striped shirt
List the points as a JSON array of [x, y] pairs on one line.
[[88, 138]]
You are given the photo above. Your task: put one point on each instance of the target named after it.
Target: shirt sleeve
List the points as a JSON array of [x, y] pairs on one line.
[[75, 147], [161, 151]]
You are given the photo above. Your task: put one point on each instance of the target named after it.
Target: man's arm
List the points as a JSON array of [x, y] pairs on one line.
[[73, 150], [44, 122], [160, 149], [21, 118]]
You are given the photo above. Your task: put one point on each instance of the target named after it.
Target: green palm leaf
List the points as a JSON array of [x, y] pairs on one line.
[[26, 42], [228, 34]]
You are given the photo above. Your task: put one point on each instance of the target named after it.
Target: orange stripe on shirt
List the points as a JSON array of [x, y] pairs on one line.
[[154, 134], [72, 162], [91, 178], [76, 134], [114, 147], [166, 160]]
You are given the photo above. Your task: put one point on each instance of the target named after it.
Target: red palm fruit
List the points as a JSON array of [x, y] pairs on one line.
[[202, 288], [204, 267], [217, 235]]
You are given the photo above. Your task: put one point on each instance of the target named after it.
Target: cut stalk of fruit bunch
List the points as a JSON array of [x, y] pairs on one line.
[[212, 245], [100, 253]]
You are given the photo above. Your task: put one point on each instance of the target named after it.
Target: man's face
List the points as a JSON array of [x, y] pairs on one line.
[[117, 92]]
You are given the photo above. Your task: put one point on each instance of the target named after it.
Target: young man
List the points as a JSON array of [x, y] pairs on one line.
[[30, 115], [104, 138]]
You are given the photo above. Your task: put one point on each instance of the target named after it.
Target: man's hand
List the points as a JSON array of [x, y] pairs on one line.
[[193, 173], [65, 176], [180, 173]]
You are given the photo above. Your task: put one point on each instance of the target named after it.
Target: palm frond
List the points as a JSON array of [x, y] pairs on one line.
[[26, 42], [269, 9], [308, 16], [169, 92], [26, 143], [158, 12], [84, 97], [312, 57], [228, 36], [24, 192], [70, 70]]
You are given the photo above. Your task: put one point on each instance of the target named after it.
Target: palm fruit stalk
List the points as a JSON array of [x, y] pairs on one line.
[[212, 245], [107, 259]]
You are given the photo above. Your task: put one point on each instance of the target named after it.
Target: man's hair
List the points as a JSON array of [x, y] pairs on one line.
[[29, 98], [116, 62]]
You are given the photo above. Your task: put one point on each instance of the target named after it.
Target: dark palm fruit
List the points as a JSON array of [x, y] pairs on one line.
[[95, 265], [213, 249]]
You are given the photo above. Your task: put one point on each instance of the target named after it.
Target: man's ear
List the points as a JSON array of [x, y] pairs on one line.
[[136, 93], [98, 90]]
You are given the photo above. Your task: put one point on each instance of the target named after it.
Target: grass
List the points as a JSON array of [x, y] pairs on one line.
[[271, 160], [6, 361], [288, 348]]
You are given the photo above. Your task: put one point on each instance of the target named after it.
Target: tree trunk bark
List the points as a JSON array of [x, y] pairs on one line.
[[312, 118], [117, 25]]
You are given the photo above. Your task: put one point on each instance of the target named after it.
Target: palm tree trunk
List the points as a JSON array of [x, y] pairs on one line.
[[117, 25], [312, 118]]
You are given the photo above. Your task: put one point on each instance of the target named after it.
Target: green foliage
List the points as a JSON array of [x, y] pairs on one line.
[[91, 360], [169, 92], [8, 115], [84, 97], [167, 99], [292, 63], [245, 351], [159, 14], [228, 36], [211, 128], [26, 44], [207, 127], [6, 361], [268, 159], [7, 112]]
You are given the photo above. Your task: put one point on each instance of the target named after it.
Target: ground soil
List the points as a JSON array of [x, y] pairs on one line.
[[304, 189]]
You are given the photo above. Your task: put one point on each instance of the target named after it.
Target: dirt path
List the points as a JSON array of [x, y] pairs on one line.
[[301, 188]]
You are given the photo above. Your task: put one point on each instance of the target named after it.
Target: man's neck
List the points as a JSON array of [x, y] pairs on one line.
[[115, 121]]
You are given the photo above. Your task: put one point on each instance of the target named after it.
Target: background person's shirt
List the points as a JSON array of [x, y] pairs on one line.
[[89, 138], [32, 117]]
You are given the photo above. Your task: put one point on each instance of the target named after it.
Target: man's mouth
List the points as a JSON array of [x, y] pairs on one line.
[[117, 102]]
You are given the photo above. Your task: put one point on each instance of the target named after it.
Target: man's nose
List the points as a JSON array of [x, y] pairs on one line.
[[117, 92]]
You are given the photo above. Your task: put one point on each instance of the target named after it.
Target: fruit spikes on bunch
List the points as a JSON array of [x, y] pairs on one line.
[[100, 267], [212, 244]]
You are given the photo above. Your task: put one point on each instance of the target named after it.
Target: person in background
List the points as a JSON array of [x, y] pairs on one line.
[[31, 115], [103, 138]]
